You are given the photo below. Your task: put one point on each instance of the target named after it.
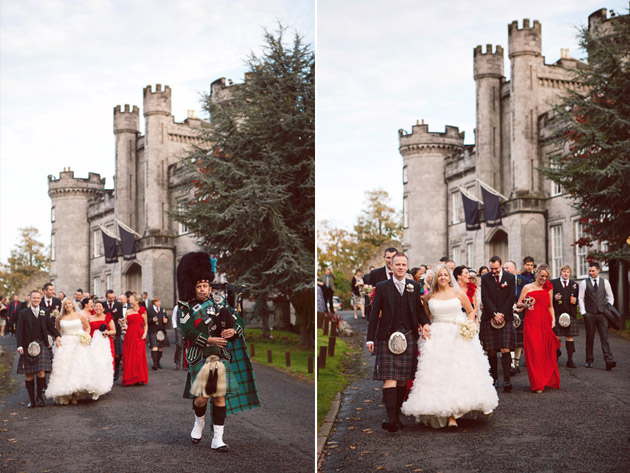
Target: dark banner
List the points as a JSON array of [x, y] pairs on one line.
[[128, 244], [109, 244], [471, 213], [491, 208]]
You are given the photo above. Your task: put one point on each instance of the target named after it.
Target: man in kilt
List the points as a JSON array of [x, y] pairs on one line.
[[219, 366], [115, 309], [397, 307], [527, 276], [496, 333], [34, 326], [565, 300], [157, 321]]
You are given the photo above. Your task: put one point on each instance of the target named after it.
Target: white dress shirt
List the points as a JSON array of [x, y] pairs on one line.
[[609, 294]]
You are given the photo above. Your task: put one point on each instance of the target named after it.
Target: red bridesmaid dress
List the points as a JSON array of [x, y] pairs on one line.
[[540, 343], [135, 367], [94, 326]]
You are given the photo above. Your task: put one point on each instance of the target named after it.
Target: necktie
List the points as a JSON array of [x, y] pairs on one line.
[[497, 278], [565, 284], [389, 274], [48, 304], [595, 284]]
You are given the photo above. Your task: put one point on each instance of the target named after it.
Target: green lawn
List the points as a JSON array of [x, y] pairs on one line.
[[281, 343], [335, 377]]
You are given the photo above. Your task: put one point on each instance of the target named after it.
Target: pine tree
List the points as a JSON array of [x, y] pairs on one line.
[[254, 179], [593, 165]]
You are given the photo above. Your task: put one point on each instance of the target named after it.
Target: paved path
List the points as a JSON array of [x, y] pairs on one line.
[[147, 429], [583, 427]]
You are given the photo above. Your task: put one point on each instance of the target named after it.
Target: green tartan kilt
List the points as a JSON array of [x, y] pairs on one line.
[[193, 371]]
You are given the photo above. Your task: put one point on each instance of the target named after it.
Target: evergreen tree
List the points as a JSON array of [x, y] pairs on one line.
[[593, 165], [254, 179]]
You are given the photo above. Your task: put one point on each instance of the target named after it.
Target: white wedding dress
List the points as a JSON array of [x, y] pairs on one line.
[[102, 373], [452, 377], [72, 365]]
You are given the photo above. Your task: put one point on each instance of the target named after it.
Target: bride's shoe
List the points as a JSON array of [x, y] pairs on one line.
[[452, 422]]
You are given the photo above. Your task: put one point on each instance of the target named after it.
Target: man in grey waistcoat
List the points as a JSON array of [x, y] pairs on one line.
[[595, 293]]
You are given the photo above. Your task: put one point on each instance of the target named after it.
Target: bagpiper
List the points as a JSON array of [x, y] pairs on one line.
[[219, 366]]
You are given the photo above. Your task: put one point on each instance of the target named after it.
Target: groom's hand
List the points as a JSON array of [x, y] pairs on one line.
[[426, 331], [370, 346]]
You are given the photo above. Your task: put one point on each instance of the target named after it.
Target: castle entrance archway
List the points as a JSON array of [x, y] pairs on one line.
[[498, 245], [133, 278]]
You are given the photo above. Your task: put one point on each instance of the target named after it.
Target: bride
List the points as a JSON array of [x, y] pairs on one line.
[[70, 376], [452, 377]]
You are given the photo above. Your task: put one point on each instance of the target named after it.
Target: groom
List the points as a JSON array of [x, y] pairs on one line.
[[398, 302]]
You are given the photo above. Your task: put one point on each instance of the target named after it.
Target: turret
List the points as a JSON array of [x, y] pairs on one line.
[[126, 131], [525, 56], [70, 234], [488, 73], [158, 119], [424, 154]]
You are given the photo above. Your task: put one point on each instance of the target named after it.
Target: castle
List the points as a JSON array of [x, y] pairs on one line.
[[147, 184], [512, 139]]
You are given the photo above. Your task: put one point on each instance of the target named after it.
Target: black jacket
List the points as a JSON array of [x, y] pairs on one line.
[[160, 325], [498, 297], [117, 313], [565, 305], [26, 324]]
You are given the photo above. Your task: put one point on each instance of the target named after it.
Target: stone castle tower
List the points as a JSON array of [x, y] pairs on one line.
[[512, 139]]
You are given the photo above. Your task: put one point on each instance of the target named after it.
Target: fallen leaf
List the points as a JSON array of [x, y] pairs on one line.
[[380, 468], [14, 414], [352, 447], [358, 408], [105, 428]]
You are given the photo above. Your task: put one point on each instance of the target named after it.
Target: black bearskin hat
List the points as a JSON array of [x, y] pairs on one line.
[[193, 268]]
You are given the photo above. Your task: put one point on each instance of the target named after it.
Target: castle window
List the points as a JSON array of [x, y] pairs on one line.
[[603, 247], [470, 260], [52, 214], [581, 263], [108, 281], [96, 286], [456, 254], [181, 207], [52, 247], [405, 176], [97, 243], [456, 207], [556, 250], [405, 212]]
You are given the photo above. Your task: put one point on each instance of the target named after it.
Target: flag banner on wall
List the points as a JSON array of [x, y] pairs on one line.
[[128, 244], [471, 213], [109, 244], [491, 208]]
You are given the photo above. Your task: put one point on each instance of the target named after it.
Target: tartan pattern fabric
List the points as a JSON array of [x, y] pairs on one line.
[[571, 331], [153, 341], [494, 339], [43, 362], [518, 342], [118, 345], [397, 367], [193, 371]]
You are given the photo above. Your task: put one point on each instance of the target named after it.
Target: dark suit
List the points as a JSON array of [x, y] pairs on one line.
[[160, 325], [376, 275], [27, 325], [565, 305], [116, 311], [55, 304], [13, 313], [498, 298]]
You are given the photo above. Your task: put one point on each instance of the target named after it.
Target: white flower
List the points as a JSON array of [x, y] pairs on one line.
[[410, 288], [467, 329], [41, 312]]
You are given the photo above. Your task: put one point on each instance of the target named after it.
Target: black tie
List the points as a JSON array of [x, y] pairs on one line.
[[595, 284]]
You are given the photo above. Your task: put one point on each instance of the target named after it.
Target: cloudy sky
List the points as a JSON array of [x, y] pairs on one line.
[[65, 64], [384, 65]]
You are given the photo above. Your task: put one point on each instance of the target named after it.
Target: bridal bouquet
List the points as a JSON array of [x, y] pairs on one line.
[[529, 302], [84, 338], [366, 290], [468, 329]]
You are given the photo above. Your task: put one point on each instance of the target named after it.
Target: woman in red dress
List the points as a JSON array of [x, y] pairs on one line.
[[99, 318], [539, 341], [135, 367], [465, 282]]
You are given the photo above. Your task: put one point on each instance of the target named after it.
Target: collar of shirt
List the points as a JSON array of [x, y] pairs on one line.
[[35, 310], [400, 285], [595, 280]]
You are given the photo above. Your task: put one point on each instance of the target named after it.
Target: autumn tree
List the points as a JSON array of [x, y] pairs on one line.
[[28, 257]]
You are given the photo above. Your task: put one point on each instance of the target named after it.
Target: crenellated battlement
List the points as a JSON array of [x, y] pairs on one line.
[[119, 109], [525, 40], [478, 51], [421, 138], [127, 119], [158, 102], [92, 186], [488, 63]]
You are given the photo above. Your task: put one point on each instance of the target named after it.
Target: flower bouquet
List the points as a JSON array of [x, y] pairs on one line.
[[468, 329], [366, 290], [84, 339], [529, 302]]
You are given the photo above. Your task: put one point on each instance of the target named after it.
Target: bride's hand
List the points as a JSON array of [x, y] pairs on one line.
[[426, 332]]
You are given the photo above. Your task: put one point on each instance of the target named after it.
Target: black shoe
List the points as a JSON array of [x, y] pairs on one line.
[[399, 425], [507, 387], [389, 426], [154, 368], [570, 364], [159, 366], [31, 405], [610, 365], [495, 383], [589, 364], [40, 402], [513, 371], [518, 369]]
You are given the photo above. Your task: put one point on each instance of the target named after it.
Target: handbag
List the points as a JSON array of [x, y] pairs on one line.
[[614, 319], [397, 343]]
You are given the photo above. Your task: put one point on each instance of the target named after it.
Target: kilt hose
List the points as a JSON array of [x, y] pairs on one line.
[[28, 364], [493, 339], [396, 367]]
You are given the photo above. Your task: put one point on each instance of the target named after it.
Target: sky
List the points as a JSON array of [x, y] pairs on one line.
[[381, 66], [65, 65]]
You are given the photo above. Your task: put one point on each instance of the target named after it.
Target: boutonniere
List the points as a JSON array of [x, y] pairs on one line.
[[519, 281], [410, 288], [504, 285], [115, 310], [41, 312]]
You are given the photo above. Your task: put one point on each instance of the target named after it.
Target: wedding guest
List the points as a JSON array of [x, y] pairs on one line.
[[357, 298], [33, 327], [595, 293], [180, 347], [88, 307], [52, 303], [428, 280], [71, 367], [467, 286], [135, 368], [102, 329], [452, 378], [104, 323], [61, 296], [78, 297], [526, 276], [539, 340], [117, 311], [565, 299], [13, 311], [483, 270], [3, 316], [158, 339]]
